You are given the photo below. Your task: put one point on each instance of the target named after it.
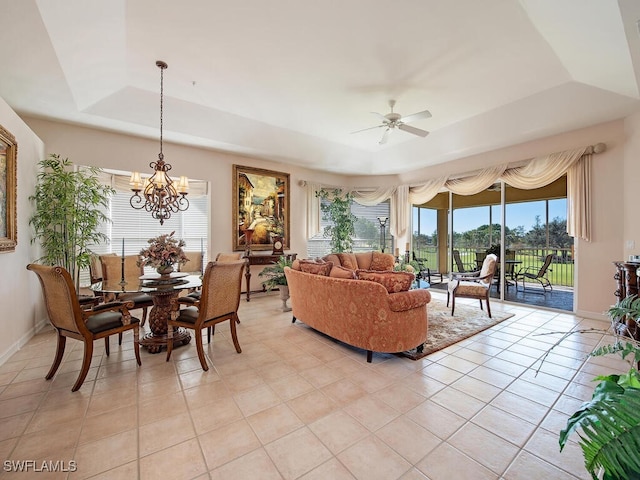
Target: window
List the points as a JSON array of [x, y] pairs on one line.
[[368, 235], [137, 226]]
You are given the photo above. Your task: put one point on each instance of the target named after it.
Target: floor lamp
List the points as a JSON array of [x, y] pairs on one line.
[[383, 225]]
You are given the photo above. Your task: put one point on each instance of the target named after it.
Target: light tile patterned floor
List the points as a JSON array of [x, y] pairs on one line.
[[296, 404]]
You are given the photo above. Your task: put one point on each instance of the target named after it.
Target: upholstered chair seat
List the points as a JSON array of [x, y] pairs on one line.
[[473, 285], [71, 320]]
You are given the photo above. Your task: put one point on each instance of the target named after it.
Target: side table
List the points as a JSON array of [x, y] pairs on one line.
[[262, 259]]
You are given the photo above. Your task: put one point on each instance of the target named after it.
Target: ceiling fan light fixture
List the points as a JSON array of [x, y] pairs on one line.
[[393, 120]]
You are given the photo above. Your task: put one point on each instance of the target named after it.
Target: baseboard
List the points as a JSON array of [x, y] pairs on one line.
[[22, 341], [593, 316]]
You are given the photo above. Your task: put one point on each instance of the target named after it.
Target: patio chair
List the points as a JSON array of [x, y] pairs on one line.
[[473, 285], [536, 275], [424, 272], [462, 266]]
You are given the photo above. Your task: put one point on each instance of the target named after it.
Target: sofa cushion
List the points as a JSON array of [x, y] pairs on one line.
[[364, 260], [394, 282], [311, 266], [340, 272], [332, 257], [348, 260], [381, 262]]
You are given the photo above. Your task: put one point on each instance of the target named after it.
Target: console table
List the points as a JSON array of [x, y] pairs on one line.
[[262, 259]]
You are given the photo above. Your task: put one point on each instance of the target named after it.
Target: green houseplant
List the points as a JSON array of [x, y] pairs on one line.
[[274, 274], [69, 206], [609, 424], [337, 209], [275, 278]]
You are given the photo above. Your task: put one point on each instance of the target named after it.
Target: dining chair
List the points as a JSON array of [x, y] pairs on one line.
[[194, 263], [71, 320], [220, 258], [111, 266], [473, 285], [219, 302]]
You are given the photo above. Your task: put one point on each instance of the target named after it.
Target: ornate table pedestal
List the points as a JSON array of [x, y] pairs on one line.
[[164, 295], [163, 308]]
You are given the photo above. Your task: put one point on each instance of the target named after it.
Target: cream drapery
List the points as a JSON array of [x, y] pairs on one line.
[[313, 209], [579, 198], [541, 171], [476, 183], [536, 173]]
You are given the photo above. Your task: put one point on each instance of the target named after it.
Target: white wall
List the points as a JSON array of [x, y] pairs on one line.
[[631, 185], [86, 146], [615, 177], [20, 297]]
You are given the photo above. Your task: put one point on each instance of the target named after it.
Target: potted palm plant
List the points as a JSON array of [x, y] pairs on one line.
[[275, 278], [69, 206], [609, 424]]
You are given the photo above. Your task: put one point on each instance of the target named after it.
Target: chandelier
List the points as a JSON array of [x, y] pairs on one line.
[[160, 195]]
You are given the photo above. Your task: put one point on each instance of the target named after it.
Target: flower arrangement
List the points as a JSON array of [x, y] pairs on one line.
[[163, 252], [403, 266]]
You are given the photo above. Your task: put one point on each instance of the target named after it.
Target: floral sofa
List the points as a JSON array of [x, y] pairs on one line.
[[360, 311]]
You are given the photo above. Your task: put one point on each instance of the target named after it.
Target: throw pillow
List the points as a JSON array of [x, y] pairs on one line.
[[382, 262], [348, 260], [296, 264], [394, 282], [364, 260], [309, 266], [332, 257], [341, 272]]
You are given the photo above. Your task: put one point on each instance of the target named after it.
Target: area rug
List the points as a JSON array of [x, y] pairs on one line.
[[445, 330]]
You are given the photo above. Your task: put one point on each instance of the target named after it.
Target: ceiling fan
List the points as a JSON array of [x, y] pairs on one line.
[[395, 120]]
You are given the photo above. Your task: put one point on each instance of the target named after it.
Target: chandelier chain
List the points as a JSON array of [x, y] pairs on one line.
[[159, 195], [161, 156]]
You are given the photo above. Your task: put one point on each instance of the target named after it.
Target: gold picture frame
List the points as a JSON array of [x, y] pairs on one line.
[[261, 204], [8, 197]]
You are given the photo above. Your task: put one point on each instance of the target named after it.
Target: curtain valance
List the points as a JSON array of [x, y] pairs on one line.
[[536, 173]]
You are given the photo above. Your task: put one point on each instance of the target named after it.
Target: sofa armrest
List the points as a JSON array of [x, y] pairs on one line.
[[403, 301]]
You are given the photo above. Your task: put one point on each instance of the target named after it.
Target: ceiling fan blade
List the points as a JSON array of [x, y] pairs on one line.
[[414, 130], [384, 138], [370, 128], [416, 116], [382, 118]]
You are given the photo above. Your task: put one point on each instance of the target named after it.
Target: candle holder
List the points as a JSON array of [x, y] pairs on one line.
[[248, 235], [122, 282]]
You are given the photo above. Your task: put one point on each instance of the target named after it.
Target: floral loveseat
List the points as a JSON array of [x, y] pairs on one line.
[[359, 312]]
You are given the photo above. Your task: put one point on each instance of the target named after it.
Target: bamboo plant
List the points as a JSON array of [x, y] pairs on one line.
[[69, 205]]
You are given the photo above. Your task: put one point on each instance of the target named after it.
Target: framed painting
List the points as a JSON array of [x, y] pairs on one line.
[[260, 208], [8, 183]]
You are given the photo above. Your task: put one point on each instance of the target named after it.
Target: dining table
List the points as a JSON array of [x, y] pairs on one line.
[[164, 291]]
